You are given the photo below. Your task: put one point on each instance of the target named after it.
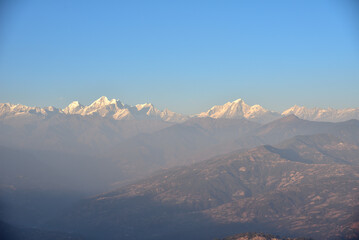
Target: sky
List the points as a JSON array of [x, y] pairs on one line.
[[183, 55]]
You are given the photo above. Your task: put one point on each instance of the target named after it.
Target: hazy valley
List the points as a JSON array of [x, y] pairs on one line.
[[114, 171]]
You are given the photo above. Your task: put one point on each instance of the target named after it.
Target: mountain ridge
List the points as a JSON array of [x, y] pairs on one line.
[[267, 188], [102, 107], [236, 109]]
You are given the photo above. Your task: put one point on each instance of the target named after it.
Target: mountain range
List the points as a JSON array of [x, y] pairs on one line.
[[114, 171], [237, 109], [102, 107], [305, 186], [308, 167]]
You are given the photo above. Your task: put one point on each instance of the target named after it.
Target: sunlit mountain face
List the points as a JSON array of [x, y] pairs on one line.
[[114, 171], [115, 109]]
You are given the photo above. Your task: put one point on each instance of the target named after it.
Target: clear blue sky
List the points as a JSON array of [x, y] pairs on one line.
[[184, 55]]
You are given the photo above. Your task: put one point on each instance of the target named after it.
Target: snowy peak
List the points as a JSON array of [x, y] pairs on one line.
[[101, 102], [74, 104], [144, 106], [103, 107], [296, 110], [322, 114], [153, 113], [238, 100], [73, 108], [170, 116], [233, 109], [115, 109], [239, 109], [8, 110], [104, 102]]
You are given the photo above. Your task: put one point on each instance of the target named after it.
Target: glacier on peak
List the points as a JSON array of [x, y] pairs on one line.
[[8, 110], [143, 106], [239, 109], [73, 108], [104, 101], [236, 109], [323, 114], [115, 109]]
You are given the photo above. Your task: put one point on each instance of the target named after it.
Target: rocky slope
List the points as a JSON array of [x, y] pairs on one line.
[[258, 236], [309, 191]]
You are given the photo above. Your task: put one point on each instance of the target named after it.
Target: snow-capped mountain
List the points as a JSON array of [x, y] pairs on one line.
[[8, 110], [117, 110], [321, 114], [101, 107], [239, 109], [73, 108]]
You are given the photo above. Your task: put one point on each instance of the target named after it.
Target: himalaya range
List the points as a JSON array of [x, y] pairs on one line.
[[231, 110], [114, 171]]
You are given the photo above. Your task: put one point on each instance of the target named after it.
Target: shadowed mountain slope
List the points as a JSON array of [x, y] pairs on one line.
[[189, 142], [263, 189], [34, 175], [9, 232], [258, 236], [201, 138], [92, 135], [291, 126]]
